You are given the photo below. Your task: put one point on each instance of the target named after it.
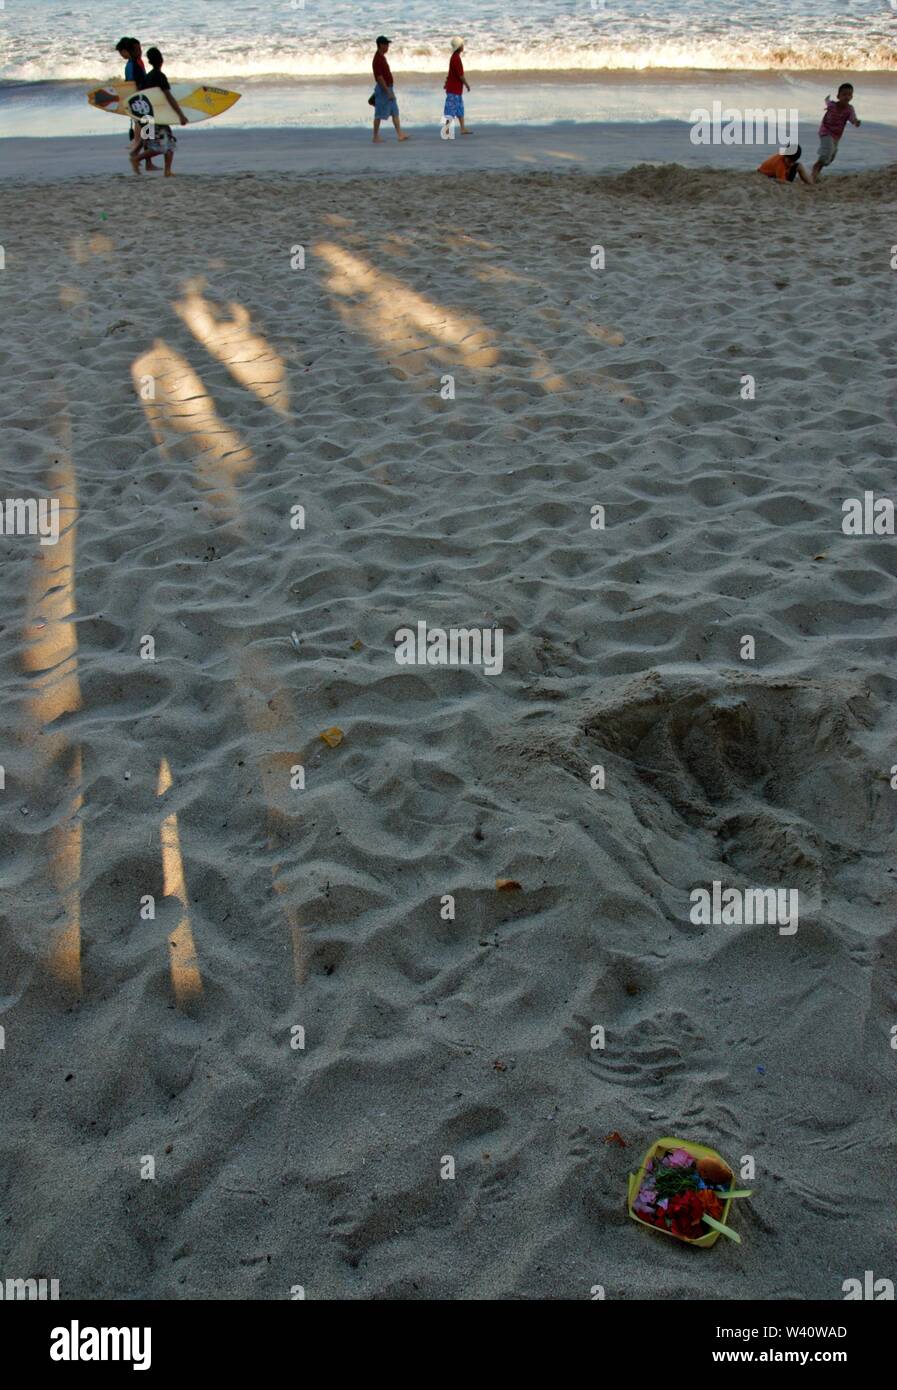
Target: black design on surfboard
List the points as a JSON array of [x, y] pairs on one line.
[[140, 104]]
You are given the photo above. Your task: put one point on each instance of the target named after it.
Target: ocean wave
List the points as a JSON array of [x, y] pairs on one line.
[[791, 54]]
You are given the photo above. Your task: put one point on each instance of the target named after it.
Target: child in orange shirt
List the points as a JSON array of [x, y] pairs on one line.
[[785, 166]]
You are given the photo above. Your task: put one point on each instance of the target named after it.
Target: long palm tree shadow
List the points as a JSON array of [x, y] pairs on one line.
[[50, 657], [420, 334], [380, 307], [181, 413], [186, 978]]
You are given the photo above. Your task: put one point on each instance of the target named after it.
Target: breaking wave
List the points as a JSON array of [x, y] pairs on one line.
[[341, 59]]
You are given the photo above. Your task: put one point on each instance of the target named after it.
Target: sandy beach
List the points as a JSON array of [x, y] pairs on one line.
[[187, 362]]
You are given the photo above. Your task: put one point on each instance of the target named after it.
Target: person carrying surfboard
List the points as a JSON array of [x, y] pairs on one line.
[[132, 52], [162, 141], [193, 102], [135, 71]]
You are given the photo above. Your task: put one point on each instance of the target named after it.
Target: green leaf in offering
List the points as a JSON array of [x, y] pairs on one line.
[[723, 1230]]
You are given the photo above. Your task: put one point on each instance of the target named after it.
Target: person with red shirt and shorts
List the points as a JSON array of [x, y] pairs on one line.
[[384, 98], [454, 87]]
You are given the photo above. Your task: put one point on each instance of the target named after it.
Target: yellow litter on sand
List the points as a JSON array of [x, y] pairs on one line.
[[332, 737]]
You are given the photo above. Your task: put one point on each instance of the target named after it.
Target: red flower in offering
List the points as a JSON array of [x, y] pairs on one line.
[[685, 1212]]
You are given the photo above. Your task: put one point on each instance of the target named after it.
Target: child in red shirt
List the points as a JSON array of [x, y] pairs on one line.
[[454, 87]]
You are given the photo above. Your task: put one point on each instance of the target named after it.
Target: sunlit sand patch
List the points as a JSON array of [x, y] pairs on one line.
[[81, 247], [476, 241], [101, 245], [51, 657], [247, 355], [390, 315], [185, 976], [547, 377], [268, 717], [542, 371], [182, 411], [612, 336], [65, 873], [51, 652], [70, 297]]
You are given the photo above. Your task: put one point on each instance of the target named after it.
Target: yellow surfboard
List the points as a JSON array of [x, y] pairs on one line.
[[198, 103]]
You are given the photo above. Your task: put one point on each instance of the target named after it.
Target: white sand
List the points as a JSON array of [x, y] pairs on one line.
[[321, 908]]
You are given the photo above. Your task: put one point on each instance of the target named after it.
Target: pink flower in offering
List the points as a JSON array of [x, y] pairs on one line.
[[679, 1158], [644, 1202]]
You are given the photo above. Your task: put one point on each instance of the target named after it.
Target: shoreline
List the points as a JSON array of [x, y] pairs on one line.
[[592, 148], [527, 100]]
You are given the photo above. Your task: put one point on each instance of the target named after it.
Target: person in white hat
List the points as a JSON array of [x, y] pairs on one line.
[[784, 166], [454, 87]]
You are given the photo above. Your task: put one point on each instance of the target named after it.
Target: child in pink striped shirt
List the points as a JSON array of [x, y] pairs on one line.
[[837, 114]]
